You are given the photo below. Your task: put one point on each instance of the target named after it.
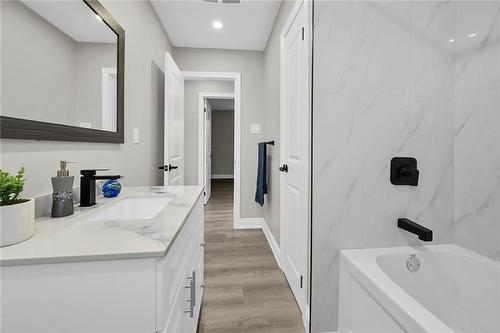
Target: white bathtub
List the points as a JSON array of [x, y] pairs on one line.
[[455, 290]]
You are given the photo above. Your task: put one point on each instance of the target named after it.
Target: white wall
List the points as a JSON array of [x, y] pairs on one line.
[[222, 142], [144, 59], [192, 89], [251, 66], [271, 208]]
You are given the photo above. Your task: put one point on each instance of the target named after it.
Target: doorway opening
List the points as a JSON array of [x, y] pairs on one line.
[[218, 156], [235, 94]]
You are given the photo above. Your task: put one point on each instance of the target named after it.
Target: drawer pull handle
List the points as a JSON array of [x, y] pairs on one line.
[[193, 290], [191, 285]]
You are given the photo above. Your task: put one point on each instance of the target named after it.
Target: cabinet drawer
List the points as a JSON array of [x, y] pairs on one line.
[[173, 269], [179, 320]]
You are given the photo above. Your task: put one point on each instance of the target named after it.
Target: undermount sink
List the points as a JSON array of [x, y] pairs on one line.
[[134, 208]]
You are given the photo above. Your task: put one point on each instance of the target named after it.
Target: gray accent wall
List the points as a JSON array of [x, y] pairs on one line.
[[192, 89], [251, 66], [90, 59], [144, 61], [222, 142], [61, 76], [38, 58]]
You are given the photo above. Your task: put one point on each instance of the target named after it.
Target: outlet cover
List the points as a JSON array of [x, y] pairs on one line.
[[254, 128], [136, 135]]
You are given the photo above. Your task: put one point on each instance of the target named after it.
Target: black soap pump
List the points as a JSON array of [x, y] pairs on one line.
[[62, 195]]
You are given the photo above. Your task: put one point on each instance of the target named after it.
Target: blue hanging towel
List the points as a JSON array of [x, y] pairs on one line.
[[261, 175]]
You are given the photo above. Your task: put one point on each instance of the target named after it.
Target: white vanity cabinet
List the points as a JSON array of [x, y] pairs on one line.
[[146, 293], [179, 278]]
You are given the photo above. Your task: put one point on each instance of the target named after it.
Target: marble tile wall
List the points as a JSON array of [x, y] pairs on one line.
[[402, 79], [477, 127]]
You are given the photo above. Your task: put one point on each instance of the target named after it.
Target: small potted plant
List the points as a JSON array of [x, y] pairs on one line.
[[17, 215]]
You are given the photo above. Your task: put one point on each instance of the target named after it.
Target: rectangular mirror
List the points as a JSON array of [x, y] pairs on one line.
[[62, 71]]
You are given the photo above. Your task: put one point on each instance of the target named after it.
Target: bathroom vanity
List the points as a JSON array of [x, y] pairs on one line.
[[129, 264]]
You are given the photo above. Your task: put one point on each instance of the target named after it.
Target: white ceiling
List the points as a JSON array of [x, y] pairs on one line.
[[74, 18], [247, 25], [222, 104]]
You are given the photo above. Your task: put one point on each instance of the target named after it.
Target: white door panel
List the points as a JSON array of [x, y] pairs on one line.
[[174, 124], [295, 155]]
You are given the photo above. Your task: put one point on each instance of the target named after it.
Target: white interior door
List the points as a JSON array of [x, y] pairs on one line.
[[295, 143], [174, 124], [208, 150]]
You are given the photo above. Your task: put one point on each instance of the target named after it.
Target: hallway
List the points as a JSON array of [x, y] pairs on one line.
[[246, 291]]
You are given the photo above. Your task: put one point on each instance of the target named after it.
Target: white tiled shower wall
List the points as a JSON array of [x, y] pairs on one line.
[[403, 79], [477, 128]]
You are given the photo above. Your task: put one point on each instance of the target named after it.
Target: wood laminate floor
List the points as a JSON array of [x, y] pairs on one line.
[[246, 291]]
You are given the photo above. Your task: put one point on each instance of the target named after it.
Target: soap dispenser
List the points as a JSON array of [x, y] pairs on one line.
[[62, 196]]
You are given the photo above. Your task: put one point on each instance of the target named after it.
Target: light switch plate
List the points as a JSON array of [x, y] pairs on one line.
[[254, 128], [136, 135]]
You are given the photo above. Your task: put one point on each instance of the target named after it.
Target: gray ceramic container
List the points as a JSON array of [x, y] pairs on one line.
[[62, 196]]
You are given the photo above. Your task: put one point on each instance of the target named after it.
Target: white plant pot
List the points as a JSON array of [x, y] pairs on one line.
[[17, 222]]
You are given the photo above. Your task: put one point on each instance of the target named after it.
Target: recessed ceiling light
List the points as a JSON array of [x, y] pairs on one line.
[[472, 35], [217, 24], [98, 17], [451, 40]]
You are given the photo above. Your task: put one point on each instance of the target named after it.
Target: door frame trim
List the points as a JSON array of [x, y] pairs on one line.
[[202, 163], [234, 77], [299, 4]]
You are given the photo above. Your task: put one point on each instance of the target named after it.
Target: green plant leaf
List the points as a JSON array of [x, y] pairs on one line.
[[11, 187]]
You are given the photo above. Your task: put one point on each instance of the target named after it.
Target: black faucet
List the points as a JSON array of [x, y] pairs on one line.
[[422, 232], [87, 185]]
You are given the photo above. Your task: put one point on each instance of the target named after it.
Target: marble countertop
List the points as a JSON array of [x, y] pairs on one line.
[[79, 238]]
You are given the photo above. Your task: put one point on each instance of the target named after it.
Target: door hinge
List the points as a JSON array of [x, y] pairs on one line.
[[204, 109], [303, 34], [204, 193], [301, 281]]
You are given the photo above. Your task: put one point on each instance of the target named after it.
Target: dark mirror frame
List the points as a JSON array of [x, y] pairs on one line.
[[17, 128]]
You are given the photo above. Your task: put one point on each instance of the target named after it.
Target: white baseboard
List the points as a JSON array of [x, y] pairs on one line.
[[249, 223], [305, 319], [222, 176], [272, 242]]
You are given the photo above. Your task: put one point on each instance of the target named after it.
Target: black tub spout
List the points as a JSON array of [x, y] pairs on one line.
[[422, 232]]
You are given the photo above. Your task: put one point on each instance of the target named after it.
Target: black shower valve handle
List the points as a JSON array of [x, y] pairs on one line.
[[411, 173], [404, 171]]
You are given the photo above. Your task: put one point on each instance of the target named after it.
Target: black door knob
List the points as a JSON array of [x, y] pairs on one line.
[[168, 167], [284, 168]]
